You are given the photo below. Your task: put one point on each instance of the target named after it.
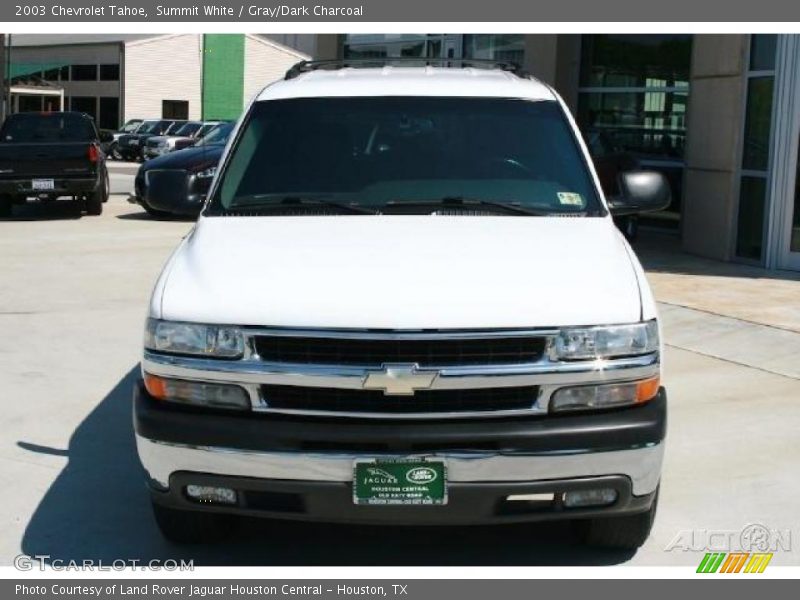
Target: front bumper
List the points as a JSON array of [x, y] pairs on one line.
[[300, 468], [62, 187]]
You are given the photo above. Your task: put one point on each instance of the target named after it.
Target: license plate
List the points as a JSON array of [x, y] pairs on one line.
[[400, 481], [43, 184], [134, 142]]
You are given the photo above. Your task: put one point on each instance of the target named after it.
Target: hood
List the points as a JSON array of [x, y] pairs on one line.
[[401, 272], [188, 158]]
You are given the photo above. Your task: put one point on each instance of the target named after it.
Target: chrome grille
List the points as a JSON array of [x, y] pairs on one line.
[[376, 351]]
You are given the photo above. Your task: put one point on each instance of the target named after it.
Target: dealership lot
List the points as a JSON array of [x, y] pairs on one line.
[[72, 306]]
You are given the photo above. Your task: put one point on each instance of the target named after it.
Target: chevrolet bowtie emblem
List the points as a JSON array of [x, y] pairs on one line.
[[401, 379]]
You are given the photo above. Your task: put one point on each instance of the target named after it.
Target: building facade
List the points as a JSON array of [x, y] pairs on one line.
[[116, 78]]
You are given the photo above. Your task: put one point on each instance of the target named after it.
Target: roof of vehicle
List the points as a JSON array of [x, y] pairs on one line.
[[49, 113], [408, 81]]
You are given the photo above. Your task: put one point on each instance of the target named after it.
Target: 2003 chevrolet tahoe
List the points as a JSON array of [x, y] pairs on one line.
[[405, 301]]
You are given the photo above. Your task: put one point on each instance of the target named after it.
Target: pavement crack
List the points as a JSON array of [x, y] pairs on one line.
[[724, 316], [732, 362]]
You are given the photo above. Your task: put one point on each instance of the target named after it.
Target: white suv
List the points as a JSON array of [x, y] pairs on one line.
[[405, 302]]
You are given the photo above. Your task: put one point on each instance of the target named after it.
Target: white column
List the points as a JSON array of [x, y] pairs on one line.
[[785, 136]]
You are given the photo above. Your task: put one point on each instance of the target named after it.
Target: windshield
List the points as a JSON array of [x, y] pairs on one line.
[[381, 152], [217, 136], [149, 126], [170, 127], [131, 126], [205, 129], [52, 127], [187, 129]]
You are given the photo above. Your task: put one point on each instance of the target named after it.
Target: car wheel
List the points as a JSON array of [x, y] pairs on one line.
[[94, 201], [106, 186], [192, 527], [114, 152], [6, 206], [628, 532]]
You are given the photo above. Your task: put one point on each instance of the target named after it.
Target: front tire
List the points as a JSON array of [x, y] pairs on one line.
[[191, 527], [627, 532]]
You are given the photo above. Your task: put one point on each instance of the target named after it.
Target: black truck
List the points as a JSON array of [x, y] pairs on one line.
[[50, 156]]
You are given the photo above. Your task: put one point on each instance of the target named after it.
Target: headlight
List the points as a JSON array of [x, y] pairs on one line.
[[206, 173], [220, 341], [606, 395], [585, 343]]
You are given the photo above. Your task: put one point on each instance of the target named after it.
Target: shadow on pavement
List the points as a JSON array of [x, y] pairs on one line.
[[98, 508], [145, 216], [45, 211], [662, 253]]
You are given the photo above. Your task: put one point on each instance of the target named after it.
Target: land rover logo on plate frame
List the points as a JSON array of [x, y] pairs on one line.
[[391, 481]]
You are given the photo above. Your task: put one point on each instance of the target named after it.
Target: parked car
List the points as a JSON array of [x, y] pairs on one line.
[[130, 145], [110, 148], [178, 181], [163, 144], [208, 127], [50, 156], [405, 302]]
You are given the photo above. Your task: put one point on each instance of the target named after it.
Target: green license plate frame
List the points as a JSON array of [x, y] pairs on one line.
[[400, 481]]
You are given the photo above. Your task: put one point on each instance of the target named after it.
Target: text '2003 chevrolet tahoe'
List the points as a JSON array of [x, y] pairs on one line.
[[405, 302]]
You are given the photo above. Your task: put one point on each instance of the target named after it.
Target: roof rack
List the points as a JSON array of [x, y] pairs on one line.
[[307, 66]]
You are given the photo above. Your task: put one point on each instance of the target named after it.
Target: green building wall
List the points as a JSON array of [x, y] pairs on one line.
[[223, 75]]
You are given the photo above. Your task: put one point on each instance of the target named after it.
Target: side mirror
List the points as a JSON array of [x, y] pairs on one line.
[[106, 136], [640, 191]]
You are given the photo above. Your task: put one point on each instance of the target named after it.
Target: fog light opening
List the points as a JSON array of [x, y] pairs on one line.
[[206, 494], [595, 497]]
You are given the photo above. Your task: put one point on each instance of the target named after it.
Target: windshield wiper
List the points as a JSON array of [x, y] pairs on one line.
[[304, 201], [463, 202]]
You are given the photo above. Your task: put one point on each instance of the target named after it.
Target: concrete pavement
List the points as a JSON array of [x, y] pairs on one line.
[[72, 306]]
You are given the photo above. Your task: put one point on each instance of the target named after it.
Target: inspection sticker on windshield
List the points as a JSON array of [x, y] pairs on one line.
[[570, 199], [400, 481]]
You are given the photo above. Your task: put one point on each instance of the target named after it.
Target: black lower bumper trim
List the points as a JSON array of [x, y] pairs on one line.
[[468, 503]]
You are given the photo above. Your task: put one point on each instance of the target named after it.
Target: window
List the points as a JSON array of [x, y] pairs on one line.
[[367, 46], [634, 89], [84, 72], [376, 150], [756, 140], [500, 47], [109, 72], [109, 113], [175, 109], [84, 104], [29, 103], [54, 127], [64, 73]]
